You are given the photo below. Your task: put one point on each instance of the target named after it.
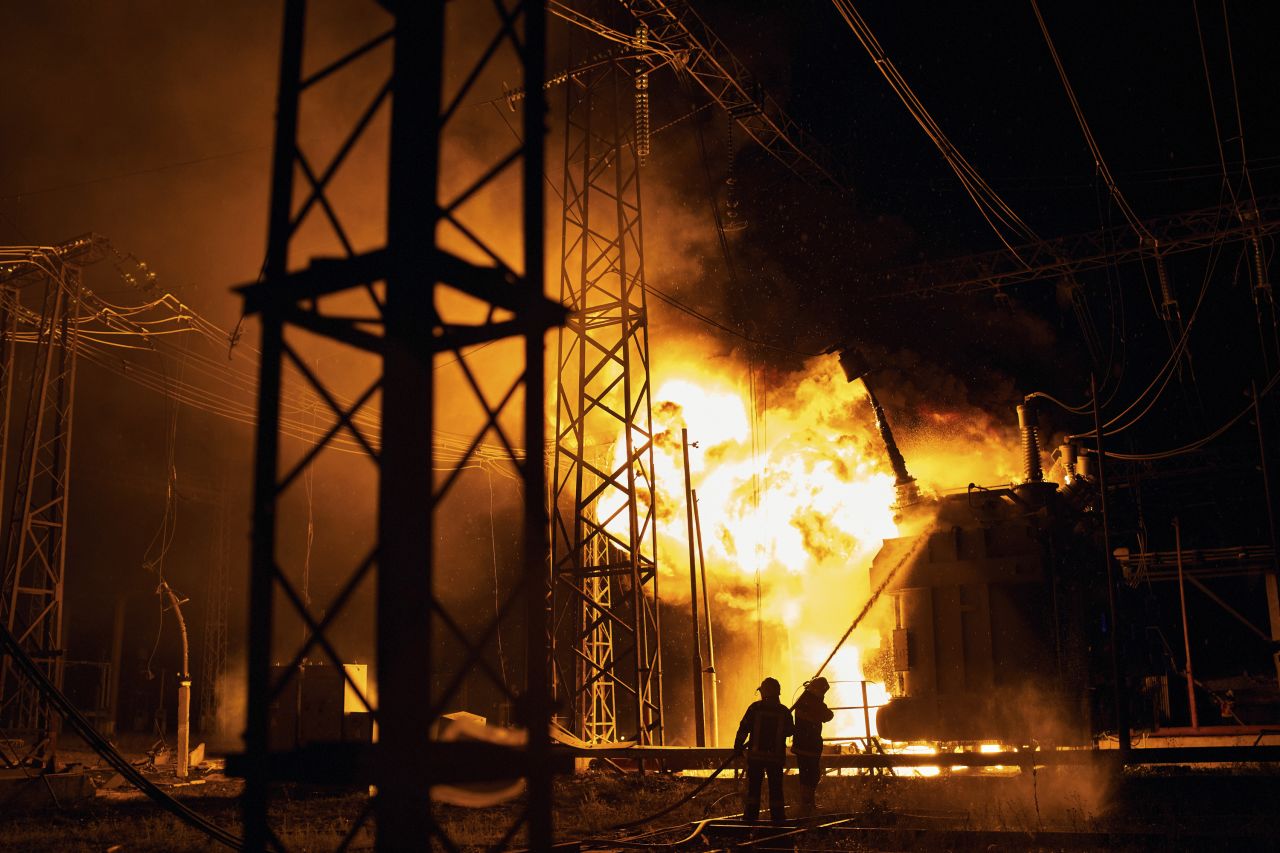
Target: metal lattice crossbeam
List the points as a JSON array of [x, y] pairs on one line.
[[1066, 257]]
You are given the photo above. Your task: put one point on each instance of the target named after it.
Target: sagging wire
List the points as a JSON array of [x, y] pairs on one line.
[[1161, 378], [710, 321], [167, 530], [126, 320], [1262, 291], [994, 209], [497, 599], [1095, 150], [1200, 442], [75, 720], [1170, 369]]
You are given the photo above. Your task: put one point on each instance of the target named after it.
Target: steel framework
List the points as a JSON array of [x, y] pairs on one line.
[[408, 287], [31, 594], [675, 26], [606, 633], [1070, 256]]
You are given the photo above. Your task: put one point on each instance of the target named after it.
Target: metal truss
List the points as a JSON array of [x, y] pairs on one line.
[[606, 634], [1067, 257], [406, 328], [675, 26], [31, 593]]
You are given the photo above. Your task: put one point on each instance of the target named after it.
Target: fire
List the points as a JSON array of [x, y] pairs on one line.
[[795, 495], [795, 498]]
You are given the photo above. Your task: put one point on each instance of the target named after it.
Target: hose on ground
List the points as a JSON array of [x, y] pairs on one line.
[[77, 721], [866, 608]]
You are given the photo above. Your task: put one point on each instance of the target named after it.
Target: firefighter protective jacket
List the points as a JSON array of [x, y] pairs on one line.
[[811, 713], [764, 730]]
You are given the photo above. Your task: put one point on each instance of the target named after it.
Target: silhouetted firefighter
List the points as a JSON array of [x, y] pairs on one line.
[[811, 713], [763, 735]]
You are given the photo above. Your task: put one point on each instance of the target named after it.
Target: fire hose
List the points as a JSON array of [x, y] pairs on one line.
[[857, 620], [77, 721]]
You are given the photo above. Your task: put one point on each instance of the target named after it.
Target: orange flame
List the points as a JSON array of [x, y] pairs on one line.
[[796, 497]]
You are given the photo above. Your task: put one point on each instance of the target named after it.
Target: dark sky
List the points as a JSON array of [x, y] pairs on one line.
[[151, 122]]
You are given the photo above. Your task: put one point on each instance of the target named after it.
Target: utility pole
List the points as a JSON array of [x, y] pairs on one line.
[[710, 671], [184, 688], [699, 721], [1119, 687]]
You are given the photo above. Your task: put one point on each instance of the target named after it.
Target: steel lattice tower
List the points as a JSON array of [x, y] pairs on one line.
[[398, 307], [606, 640], [31, 594]]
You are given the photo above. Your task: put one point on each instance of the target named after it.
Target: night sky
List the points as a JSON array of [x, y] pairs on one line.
[[151, 123]]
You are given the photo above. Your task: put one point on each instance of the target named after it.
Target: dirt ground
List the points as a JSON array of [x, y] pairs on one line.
[[120, 819]]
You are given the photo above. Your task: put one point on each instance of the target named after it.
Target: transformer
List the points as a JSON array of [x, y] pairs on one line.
[[990, 636], [987, 637]]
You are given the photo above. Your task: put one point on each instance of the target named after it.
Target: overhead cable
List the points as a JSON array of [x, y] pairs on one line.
[[1004, 221], [1200, 442]]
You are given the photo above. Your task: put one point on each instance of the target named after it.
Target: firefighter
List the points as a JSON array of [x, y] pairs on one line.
[[763, 735], [811, 712]]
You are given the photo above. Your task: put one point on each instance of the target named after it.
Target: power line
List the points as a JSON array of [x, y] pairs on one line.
[[135, 173], [995, 210]]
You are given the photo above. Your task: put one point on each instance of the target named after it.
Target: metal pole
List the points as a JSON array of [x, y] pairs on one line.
[[699, 722], [866, 714], [406, 655], [706, 617], [256, 795], [537, 533], [1186, 636], [1117, 681], [184, 688], [1273, 593]]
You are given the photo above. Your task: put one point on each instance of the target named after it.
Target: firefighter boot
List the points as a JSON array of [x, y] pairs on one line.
[[808, 800]]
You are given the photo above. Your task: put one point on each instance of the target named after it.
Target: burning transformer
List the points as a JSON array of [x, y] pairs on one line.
[[992, 637]]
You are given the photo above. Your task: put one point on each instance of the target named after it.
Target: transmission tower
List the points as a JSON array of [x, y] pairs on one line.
[[396, 307], [35, 548], [606, 644]]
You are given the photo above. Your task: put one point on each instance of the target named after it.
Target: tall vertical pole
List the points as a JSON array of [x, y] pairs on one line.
[[1186, 634], [267, 442], [1119, 688], [537, 543], [699, 722], [1273, 589], [706, 618], [406, 496], [866, 714]]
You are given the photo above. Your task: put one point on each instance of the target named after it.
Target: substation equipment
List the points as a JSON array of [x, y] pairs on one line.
[[35, 544], [1006, 609], [1014, 621]]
